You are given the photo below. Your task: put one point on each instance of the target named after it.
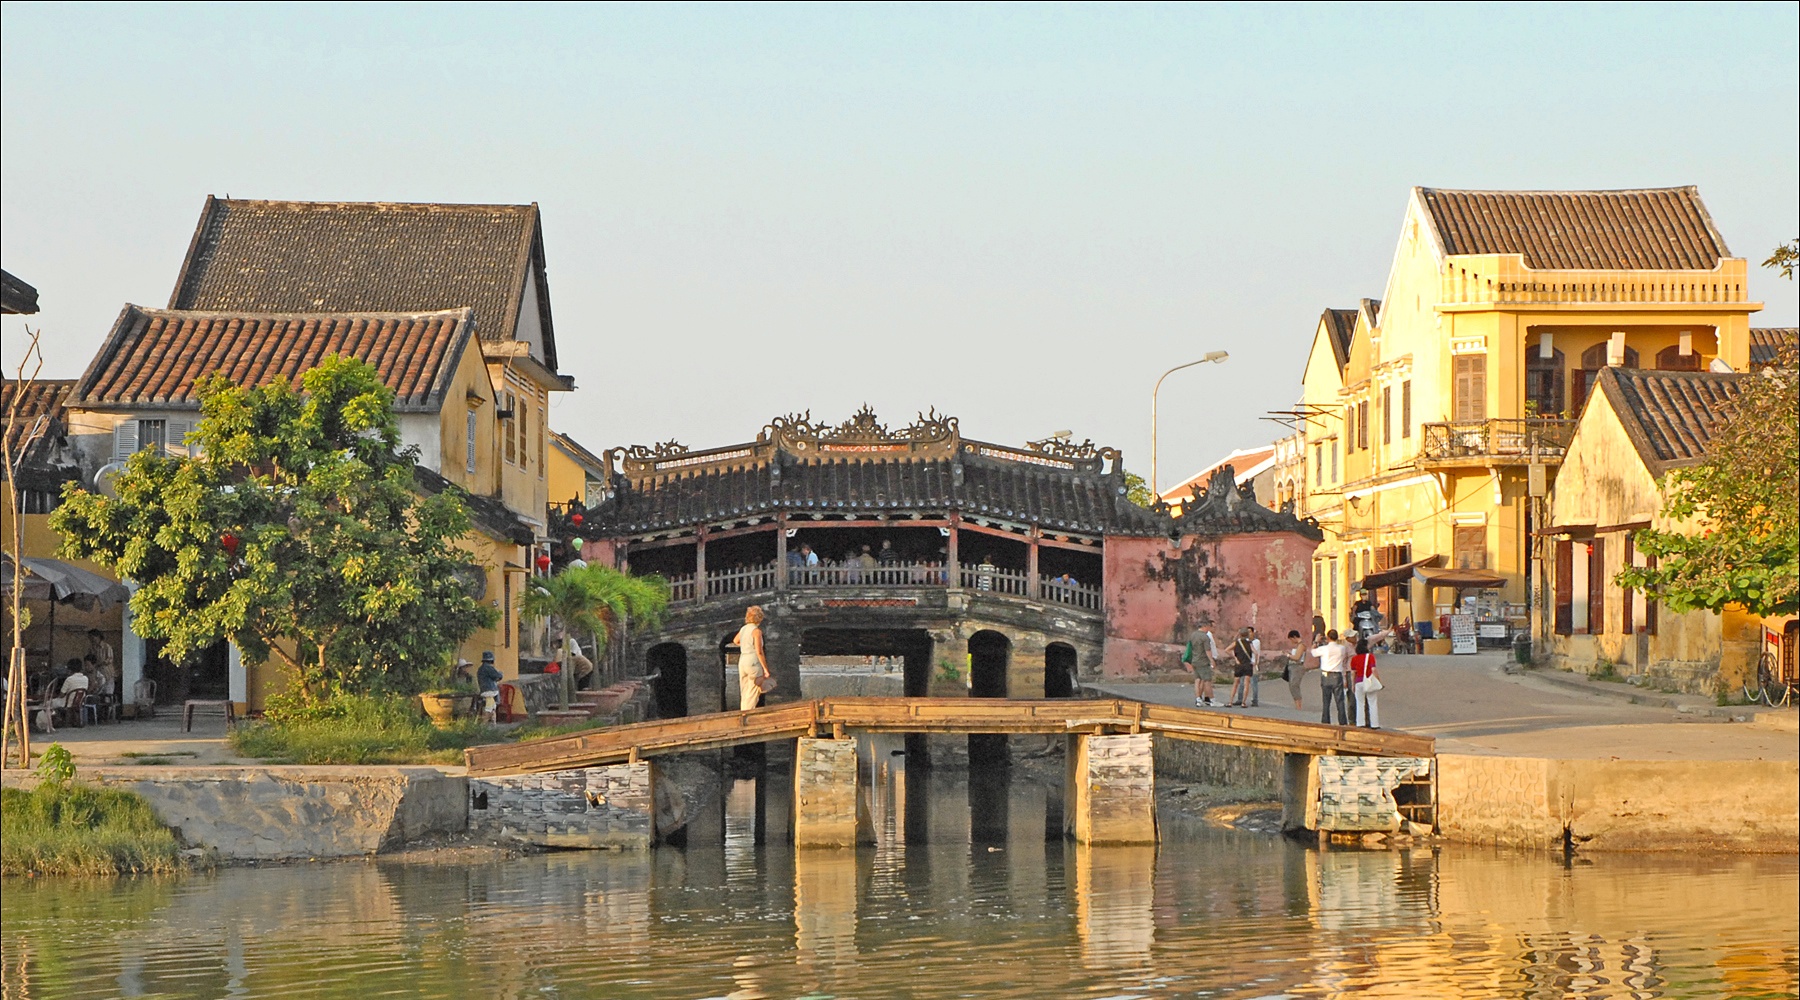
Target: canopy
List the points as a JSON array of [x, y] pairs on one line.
[[55, 580], [1461, 579], [1396, 575]]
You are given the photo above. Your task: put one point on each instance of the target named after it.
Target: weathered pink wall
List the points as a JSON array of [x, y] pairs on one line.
[[1157, 591], [603, 552]]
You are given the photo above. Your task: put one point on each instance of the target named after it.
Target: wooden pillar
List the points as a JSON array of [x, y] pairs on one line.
[[825, 793], [952, 570], [1032, 587], [781, 553], [700, 568], [1110, 797]]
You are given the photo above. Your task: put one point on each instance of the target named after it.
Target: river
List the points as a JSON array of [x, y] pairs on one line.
[[950, 902]]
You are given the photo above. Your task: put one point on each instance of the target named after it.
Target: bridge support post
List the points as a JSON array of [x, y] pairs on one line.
[[1110, 797], [825, 793]]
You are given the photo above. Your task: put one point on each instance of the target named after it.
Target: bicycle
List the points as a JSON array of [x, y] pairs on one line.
[[1768, 690]]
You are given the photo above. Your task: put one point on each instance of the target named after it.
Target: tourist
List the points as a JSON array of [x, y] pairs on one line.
[[753, 670], [1296, 666], [1334, 659], [102, 652], [1366, 684], [1199, 656], [984, 573], [1244, 653], [887, 556], [584, 667], [851, 564]]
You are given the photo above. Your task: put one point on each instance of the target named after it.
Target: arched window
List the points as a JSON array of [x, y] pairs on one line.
[[1670, 359], [1544, 390], [1592, 361]]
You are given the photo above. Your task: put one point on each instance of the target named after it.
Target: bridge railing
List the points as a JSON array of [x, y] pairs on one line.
[[894, 574], [993, 579], [745, 580], [686, 588], [1078, 595]]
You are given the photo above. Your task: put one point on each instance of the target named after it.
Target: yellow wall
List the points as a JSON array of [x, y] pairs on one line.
[[568, 478]]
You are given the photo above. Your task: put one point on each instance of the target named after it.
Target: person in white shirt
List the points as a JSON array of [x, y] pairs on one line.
[[1334, 662]]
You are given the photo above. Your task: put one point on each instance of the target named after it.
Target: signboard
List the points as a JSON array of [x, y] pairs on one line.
[[1493, 630], [1462, 633]]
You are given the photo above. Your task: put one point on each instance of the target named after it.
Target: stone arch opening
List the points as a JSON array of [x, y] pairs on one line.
[[988, 655], [1060, 662], [666, 663], [912, 647]]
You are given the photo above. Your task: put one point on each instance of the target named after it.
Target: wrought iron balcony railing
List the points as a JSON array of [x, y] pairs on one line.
[[1517, 441]]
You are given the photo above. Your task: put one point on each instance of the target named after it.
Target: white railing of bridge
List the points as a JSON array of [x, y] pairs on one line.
[[745, 580], [1078, 595], [684, 588], [894, 574]]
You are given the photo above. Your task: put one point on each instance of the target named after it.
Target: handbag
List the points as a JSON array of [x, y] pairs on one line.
[[1372, 685], [765, 683], [1187, 655]]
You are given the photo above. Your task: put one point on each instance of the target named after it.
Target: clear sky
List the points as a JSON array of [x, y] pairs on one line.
[[1019, 215]]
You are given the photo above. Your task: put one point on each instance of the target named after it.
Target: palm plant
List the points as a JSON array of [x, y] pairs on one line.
[[597, 600]]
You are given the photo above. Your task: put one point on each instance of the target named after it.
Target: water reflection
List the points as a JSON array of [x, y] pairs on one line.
[[946, 901]]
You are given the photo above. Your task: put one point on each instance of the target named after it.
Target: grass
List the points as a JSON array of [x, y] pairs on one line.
[[374, 730], [57, 829]]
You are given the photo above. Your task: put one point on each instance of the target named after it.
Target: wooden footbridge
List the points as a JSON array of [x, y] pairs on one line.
[[840, 717]]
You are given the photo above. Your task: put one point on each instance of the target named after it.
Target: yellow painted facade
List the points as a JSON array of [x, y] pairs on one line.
[[1429, 418]]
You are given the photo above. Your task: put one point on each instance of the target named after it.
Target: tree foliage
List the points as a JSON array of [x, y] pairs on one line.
[[297, 532], [1138, 491], [595, 601], [1785, 257], [1741, 503]]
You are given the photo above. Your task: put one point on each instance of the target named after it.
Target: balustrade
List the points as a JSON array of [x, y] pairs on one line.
[[684, 589], [1497, 441]]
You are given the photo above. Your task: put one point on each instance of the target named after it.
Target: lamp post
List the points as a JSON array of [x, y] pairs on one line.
[[1215, 356]]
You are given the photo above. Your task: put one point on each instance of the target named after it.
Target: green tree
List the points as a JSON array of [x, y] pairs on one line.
[[1138, 491], [1785, 257], [596, 600], [1741, 501], [297, 532]]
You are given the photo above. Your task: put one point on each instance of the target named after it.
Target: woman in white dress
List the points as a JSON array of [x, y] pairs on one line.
[[753, 665]]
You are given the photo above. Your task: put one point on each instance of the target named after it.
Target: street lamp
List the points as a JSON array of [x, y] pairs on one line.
[[1215, 356]]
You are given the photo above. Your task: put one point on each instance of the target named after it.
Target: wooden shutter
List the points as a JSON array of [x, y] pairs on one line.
[[1349, 428], [1387, 415], [125, 439], [1597, 587], [1626, 625], [1468, 546], [1565, 594], [1650, 604], [1362, 424], [1406, 408], [1471, 387], [176, 442]]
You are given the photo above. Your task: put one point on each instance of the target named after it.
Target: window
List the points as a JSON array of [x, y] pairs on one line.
[[1406, 408], [1579, 563], [1468, 546], [1592, 361], [512, 442], [1650, 605], [469, 445], [1387, 414], [152, 436], [537, 443], [525, 436], [1626, 624], [1319, 464], [1349, 428], [1333, 617], [506, 615], [1596, 574], [1565, 587], [1670, 359], [1334, 460], [1362, 425], [1544, 391], [1318, 587], [1470, 390]]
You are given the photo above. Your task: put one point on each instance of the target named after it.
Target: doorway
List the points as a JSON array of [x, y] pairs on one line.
[[667, 664]]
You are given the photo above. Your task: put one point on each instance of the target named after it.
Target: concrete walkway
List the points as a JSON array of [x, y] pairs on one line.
[[145, 741], [1472, 704]]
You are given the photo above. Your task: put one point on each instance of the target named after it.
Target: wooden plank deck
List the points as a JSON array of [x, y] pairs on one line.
[[838, 716]]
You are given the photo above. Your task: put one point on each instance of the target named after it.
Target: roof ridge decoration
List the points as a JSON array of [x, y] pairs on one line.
[[1223, 506]]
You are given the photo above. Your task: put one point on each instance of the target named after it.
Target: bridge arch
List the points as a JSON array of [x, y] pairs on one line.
[[667, 663], [1060, 661], [989, 652]]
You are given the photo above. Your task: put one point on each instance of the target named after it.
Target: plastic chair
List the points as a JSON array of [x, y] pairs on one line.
[[90, 709], [72, 709]]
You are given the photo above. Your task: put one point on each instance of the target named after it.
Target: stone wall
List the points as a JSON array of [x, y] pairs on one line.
[[256, 813], [1111, 794], [1250, 770], [594, 807], [1743, 805]]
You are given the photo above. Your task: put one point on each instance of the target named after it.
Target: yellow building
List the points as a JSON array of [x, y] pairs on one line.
[[1424, 415], [1636, 428], [451, 305], [575, 472]]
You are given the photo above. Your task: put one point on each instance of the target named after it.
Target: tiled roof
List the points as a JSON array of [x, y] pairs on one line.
[[304, 257], [16, 296], [43, 398], [1670, 416], [1649, 229], [1341, 325], [1223, 506], [1765, 341], [155, 356], [489, 514]]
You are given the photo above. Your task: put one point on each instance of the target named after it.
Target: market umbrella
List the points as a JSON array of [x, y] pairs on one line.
[[65, 583]]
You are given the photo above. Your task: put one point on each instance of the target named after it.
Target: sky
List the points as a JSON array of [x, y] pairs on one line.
[[1018, 215]]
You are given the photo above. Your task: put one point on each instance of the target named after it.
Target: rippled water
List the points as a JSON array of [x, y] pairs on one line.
[[953, 902]]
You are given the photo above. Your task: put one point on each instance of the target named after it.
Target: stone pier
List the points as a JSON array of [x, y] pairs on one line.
[[592, 807], [825, 793], [1111, 793]]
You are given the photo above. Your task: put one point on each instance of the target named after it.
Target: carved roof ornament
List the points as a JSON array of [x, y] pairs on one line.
[[662, 449], [1223, 506]]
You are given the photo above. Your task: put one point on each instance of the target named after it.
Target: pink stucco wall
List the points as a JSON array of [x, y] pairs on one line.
[[1158, 590]]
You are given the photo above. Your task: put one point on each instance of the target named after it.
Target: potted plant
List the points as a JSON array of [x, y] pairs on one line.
[[455, 700]]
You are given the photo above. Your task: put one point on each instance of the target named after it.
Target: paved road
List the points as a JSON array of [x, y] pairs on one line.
[[1472, 705]]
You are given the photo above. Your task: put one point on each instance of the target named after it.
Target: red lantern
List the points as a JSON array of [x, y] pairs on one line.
[[229, 541], [577, 518], [543, 563]]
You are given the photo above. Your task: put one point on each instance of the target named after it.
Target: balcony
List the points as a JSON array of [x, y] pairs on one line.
[[904, 576], [1495, 442]]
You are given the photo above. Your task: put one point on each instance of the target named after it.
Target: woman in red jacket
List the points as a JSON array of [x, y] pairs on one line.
[[1366, 684]]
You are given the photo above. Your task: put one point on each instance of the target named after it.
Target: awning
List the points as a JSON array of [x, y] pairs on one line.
[[55, 580], [1462, 579], [1393, 576]]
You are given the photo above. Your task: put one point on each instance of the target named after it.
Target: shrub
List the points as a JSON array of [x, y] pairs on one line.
[[353, 729], [62, 828]]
